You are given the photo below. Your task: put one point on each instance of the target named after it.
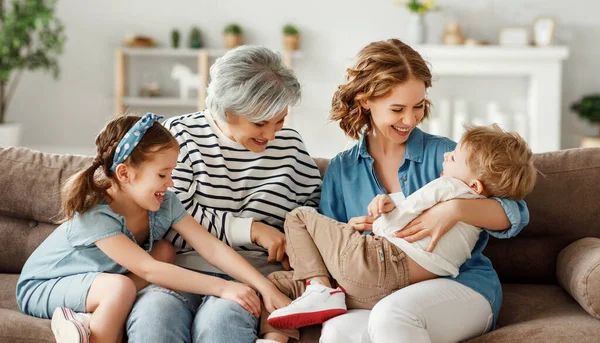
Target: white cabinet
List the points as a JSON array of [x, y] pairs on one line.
[[541, 67]]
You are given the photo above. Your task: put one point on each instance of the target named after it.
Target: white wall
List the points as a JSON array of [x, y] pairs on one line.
[[70, 112]]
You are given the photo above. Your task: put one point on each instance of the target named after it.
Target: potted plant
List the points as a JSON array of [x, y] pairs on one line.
[[195, 38], [175, 37], [31, 38], [291, 37], [233, 35], [588, 108]]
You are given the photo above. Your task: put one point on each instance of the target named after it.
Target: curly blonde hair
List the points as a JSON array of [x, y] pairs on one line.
[[380, 66], [501, 160]]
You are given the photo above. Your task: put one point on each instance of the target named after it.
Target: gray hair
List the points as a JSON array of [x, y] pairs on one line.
[[251, 82]]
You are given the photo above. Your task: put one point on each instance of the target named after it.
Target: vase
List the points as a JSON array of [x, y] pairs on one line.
[[417, 30]]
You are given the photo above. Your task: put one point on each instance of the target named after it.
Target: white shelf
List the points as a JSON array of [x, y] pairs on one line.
[[493, 52], [159, 102], [183, 52]]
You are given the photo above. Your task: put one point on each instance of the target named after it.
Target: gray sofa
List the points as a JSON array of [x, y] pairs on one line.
[[549, 272]]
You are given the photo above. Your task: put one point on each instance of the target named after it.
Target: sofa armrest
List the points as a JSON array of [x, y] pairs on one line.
[[578, 273]]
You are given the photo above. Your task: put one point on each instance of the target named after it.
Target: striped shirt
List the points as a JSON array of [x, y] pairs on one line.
[[226, 187]]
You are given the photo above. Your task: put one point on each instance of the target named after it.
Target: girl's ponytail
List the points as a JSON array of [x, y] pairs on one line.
[[83, 190]]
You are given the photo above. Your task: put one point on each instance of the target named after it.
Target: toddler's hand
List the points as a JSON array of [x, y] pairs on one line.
[[274, 299], [362, 223], [382, 203], [243, 295]]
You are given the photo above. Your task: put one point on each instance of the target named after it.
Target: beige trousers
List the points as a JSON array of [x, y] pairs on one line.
[[367, 267]]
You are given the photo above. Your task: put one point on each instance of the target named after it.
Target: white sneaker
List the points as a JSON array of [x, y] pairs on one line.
[[262, 340], [70, 327], [317, 304]]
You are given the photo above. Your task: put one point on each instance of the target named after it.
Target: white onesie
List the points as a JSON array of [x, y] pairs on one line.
[[454, 248]]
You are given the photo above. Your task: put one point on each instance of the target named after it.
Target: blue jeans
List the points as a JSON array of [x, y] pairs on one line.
[[161, 315]]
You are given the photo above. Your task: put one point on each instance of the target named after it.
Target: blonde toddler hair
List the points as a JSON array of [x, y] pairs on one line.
[[501, 160]]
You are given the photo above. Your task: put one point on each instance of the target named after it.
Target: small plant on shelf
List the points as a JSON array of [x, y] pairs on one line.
[[195, 38], [233, 35], [291, 37], [175, 38], [420, 7]]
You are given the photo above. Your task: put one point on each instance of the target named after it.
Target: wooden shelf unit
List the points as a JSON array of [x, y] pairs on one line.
[[122, 100]]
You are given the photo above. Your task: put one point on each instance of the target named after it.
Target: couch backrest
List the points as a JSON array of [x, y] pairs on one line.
[[564, 207], [30, 184]]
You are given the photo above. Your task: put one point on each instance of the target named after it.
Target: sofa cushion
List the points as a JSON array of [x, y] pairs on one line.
[[577, 271], [16, 327], [541, 313], [563, 209], [21, 237], [30, 182], [8, 286]]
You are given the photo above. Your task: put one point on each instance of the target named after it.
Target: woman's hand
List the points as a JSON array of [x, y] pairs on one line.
[[382, 203], [360, 224], [271, 239], [243, 295], [274, 299], [434, 222]]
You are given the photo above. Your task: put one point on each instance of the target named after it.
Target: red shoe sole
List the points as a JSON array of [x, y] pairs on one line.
[[298, 320]]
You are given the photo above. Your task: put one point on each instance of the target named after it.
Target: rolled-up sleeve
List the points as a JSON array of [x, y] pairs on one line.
[[518, 215]]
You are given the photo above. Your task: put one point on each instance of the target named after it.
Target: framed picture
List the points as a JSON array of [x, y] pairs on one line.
[[543, 31], [513, 36]]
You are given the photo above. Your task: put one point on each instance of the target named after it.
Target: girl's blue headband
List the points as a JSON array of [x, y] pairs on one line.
[[132, 138]]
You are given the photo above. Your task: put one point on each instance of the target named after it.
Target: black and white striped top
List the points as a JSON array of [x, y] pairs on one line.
[[226, 187]]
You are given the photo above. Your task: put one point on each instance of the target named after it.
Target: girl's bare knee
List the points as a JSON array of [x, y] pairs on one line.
[[121, 289], [163, 251], [112, 289]]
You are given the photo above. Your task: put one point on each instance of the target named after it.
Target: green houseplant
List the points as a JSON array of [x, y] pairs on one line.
[[31, 38], [175, 38], [588, 108], [233, 35], [195, 38], [420, 7], [291, 37]]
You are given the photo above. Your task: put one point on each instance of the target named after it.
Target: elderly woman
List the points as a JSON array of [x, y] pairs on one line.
[[239, 172]]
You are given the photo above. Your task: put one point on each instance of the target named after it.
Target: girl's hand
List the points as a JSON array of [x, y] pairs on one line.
[[382, 203], [434, 222], [243, 295], [274, 299], [360, 224]]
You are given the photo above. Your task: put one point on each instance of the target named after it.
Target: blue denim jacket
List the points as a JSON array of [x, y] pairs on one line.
[[350, 183]]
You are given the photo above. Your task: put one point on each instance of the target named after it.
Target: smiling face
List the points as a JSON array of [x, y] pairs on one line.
[[395, 115], [148, 183], [253, 136]]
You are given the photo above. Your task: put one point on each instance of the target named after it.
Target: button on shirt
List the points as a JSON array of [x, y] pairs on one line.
[[350, 184]]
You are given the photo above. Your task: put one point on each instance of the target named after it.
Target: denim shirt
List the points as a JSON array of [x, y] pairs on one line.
[[350, 184]]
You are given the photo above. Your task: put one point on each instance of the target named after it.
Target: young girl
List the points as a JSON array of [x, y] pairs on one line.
[[109, 247]]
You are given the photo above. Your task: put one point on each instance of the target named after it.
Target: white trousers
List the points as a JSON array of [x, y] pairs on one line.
[[438, 311]]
